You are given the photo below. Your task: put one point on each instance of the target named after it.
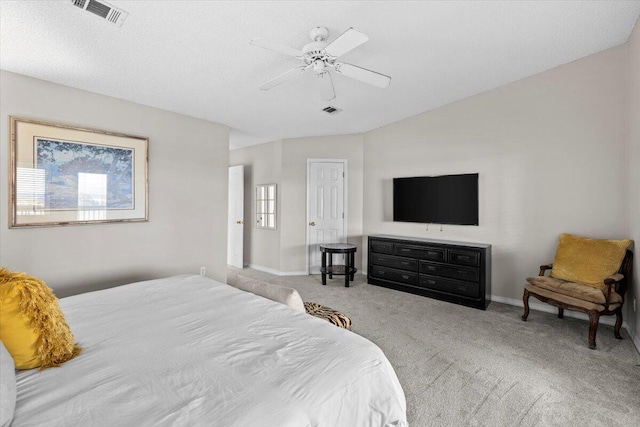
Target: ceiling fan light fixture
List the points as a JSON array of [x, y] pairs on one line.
[[319, 66]]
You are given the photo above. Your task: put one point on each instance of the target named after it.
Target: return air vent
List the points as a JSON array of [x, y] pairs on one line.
[[103, 10], [331, 110]]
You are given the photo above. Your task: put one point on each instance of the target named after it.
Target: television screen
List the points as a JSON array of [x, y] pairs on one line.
[[448, 199]]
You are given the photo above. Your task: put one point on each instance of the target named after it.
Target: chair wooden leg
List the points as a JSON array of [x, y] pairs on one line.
[[560, 313], [525, 300], [594, 318], [616, 328]]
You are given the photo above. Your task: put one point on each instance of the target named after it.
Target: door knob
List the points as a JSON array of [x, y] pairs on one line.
[[312, 223], [238, 222]]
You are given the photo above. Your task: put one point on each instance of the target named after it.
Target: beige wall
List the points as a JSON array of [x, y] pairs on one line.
[[549, 150], [262, 165], [285, 163], [188, 160], [295, 153], [633, 178]]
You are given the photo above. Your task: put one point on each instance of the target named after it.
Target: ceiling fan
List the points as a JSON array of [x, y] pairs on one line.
[[321, 56]]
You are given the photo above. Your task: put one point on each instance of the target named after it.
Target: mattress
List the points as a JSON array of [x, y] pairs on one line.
[[190, 351]]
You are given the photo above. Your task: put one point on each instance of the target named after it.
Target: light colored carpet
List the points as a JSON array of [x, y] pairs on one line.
[[460, 366]]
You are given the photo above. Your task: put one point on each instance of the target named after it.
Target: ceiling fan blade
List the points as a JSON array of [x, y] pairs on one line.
[[345, 42], [326, 86], [276, 47], [282, 78], [362, 74]]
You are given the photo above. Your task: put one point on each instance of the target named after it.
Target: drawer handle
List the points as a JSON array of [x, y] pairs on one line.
[[464, 257], [381, 273], [430, 267], [405, 277], [404, 263], [462, 288], [433, 253], [382, 259], [431, 282], [405, 250]]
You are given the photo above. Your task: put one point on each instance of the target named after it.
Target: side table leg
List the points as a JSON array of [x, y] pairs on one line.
[[347, 269], [323, 270], [330, 255], [353, 264]]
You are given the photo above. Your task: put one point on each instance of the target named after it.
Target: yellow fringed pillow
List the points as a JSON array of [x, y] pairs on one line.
[[32, 326], [588, 261]]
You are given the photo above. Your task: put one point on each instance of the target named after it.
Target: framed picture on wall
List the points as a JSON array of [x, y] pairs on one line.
[[66, 175]]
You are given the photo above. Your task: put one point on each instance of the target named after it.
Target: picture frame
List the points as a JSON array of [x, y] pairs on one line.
[[67, 175]]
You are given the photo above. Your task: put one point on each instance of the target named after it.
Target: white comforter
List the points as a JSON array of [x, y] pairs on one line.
[[190, 351]]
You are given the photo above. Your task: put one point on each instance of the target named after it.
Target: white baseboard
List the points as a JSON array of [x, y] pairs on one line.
[[276, 272], [283, 273], [634, 338], [606, 320], [293, 273]]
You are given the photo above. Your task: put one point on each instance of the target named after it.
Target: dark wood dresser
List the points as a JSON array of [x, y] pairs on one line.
[[458, 272]]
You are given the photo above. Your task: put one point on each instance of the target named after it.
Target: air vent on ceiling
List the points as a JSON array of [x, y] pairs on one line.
[[102, 9], [331, 110]]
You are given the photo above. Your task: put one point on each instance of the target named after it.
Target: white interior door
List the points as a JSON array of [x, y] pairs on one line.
[[236, 216], [325, 208]]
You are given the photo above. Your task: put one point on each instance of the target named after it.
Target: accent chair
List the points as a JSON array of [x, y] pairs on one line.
[[587, 275]]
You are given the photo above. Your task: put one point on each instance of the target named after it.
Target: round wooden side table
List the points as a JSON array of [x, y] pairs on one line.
[[348, 270]]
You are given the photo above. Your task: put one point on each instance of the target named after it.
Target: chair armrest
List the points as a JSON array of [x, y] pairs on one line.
[[613, 279], [544, 268], [610, 281]]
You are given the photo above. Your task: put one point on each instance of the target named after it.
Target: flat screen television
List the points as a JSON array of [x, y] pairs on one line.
[[447, 199]]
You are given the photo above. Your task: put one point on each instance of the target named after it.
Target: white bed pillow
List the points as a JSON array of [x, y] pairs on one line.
[[287, 296], [7, 387]]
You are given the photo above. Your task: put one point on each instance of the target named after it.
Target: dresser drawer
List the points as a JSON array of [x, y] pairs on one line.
[[452, 271], [464, 257], [408, 277], [381, 246], [451, 286], [422, 252], [395, 262]]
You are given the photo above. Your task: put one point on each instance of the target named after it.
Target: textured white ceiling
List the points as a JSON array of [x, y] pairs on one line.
[[194, 57]]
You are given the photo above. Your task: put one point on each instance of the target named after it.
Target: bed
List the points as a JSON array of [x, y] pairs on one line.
[[190, 351]]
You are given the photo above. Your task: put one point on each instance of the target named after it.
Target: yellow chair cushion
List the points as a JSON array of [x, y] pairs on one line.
[[588, 261], [32, 326]]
